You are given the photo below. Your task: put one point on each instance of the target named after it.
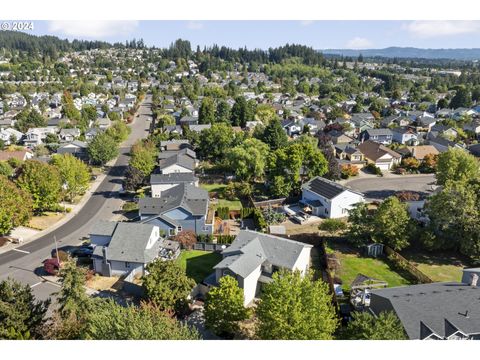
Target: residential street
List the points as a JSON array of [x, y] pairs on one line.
[[378, 188], [24, 262]]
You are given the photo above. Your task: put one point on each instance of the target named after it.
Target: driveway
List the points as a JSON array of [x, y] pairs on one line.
[[379, 188]]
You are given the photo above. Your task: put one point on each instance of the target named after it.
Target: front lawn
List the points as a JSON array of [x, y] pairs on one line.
[[221, 201], [352, 264], [198, 264]]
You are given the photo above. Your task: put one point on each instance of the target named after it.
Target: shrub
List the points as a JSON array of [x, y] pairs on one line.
[[348, 170], [374, 169], [246, 213], [223, 212], [332, 226]]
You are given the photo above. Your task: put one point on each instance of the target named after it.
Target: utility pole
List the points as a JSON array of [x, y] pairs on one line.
[[56, 250]]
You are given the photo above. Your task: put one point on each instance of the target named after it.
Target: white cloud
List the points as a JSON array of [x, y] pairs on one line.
[[194, 25], [306, 22], [430, 29], [93, 29], [359, 43]]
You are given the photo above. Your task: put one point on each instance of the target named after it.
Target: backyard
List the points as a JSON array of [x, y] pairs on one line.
[[198, 264], [219, 189], [437, 266], [352, 263]]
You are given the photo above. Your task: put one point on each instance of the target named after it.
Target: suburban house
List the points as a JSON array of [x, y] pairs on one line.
[[254, 257], [68, 135], [378, 154], [435, 311], [405, 135], [183, 207], [419, 152], [123, 247], [76, 148], [383, 136], [21, 155], [163, 182], [177, 163], [349, 154], [35, 136], [10, 134], [329, 199]]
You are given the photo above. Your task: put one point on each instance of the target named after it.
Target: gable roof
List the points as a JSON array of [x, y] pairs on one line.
[[178, 159], [373, 150], [129, 243], [250, 249], [419, 152], [378, 132], [326, 188], [173, 178], [433, 305], [186, 196]]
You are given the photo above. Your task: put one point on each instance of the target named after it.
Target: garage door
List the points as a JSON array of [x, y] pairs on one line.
[[383, 166]]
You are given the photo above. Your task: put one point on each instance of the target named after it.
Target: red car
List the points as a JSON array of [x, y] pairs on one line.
[[51, 266]]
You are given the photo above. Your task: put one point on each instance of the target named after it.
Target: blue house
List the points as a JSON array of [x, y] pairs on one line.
[[183, 207], [382, 136]]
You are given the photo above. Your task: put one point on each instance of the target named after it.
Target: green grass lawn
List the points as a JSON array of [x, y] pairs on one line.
[[438, 267], [352, 264], [198, 264], [220, 190]]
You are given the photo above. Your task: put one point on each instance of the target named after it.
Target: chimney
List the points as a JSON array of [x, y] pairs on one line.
[[104, 252], [474, 280]]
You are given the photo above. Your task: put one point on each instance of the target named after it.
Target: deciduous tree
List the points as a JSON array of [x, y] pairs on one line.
[[16, 208], [296, 308], [167, 285], [365, 326], [42, 181], [74, 174], [102, 149], [224, 307]]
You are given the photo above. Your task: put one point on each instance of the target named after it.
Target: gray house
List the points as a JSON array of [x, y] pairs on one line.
[[183, 207], [76, 148], [382, 136], [123, 247], [436, 311]]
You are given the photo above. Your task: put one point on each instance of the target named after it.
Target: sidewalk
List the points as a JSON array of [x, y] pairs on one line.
[[34, 234]]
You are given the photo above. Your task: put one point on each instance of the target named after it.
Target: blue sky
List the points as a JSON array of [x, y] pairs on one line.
[[263, 34]]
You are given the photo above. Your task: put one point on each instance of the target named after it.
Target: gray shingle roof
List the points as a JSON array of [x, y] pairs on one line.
[[189, 197], [437, 306], [250, 249], [129, 243], [182, 160], [379, 132], [103, 228], [173, 178]]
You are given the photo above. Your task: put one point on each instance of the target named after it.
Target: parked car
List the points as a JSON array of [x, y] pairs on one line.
[[14, 240], [83, 252], [51, 266]]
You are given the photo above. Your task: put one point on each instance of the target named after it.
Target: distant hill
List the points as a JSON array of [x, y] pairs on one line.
[[410, 52]]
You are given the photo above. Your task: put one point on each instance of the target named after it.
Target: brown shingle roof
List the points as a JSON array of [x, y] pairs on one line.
[[374, 151], [419, 152]]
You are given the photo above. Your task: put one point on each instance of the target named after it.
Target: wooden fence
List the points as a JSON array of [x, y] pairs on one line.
[[407, 265]]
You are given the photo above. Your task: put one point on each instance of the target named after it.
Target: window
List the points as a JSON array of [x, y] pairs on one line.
[[326, 211], [127, 265], [179, 229], [171, 232]]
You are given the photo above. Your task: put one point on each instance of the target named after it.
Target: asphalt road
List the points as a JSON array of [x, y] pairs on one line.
[[25, 263], [379, 188]]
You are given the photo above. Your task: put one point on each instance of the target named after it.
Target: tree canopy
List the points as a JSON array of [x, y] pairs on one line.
[[294, 307], [224, 307]]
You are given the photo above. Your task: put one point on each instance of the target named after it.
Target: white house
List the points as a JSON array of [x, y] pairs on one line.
[[177, 163], [123, 247], [253, 257], [7, 134], [162, 182], [329, 199]]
